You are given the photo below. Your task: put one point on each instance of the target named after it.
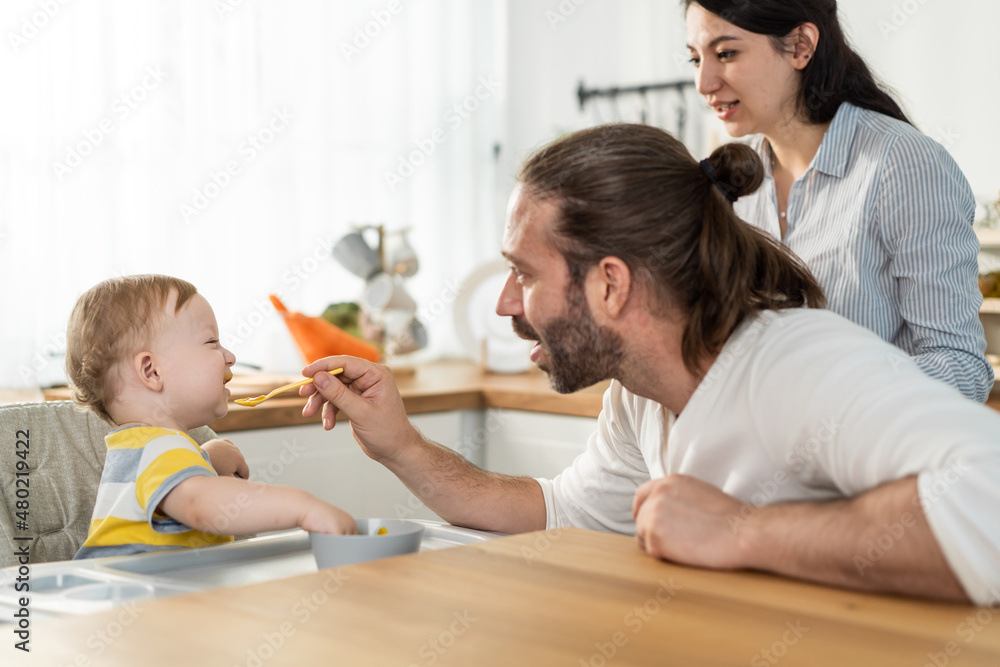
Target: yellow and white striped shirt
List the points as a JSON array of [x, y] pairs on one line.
[[143, 465]]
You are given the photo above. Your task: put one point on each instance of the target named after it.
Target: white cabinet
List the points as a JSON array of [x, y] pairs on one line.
[[331, 465], [533, 443]]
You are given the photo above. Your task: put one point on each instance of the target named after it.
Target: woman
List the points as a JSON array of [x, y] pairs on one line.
[[879, 212]]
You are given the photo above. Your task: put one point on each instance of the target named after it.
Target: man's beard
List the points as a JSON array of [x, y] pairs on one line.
[[580, 351]]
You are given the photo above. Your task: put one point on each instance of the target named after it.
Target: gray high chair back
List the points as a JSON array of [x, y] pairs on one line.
[[49, 491]]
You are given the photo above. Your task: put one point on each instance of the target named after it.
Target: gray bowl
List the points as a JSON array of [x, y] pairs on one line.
[[403, 537]]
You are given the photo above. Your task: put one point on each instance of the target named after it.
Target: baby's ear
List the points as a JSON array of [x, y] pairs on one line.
[[144, 365]]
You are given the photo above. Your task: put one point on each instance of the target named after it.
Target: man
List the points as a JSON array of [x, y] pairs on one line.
[[744, 427]]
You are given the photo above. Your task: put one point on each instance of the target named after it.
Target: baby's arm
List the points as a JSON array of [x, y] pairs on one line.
[[230, 506], [226, 458]]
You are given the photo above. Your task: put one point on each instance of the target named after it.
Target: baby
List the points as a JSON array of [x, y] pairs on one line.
[[143, 353]]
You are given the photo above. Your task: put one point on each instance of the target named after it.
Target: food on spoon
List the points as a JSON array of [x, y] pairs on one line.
[[249, 402], [382, 531], [253, 402]]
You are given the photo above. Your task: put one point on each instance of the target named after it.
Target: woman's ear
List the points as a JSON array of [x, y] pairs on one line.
[[804, 41], [144, 365], [611, 286]]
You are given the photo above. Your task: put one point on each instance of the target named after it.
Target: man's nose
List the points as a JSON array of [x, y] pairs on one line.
[[509, 302]]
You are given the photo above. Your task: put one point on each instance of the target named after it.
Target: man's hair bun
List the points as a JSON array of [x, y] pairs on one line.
[[737, 169]]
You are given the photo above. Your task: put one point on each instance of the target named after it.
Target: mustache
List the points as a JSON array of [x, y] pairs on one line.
[[523, 329]]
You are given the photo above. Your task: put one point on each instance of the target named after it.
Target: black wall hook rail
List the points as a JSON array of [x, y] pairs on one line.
[[584, 93]]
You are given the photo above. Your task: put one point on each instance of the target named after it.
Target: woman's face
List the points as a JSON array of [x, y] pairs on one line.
[[752, 87]]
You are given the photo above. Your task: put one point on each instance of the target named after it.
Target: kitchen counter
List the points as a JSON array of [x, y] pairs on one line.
[[434, 387]]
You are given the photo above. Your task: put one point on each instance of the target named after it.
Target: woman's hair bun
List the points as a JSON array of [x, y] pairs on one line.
[[737, 168]]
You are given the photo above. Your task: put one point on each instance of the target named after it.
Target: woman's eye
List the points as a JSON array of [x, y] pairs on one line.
[[694, 61], [726, 55]]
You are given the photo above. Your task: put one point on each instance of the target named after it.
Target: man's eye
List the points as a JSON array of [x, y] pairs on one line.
[[214, 341]]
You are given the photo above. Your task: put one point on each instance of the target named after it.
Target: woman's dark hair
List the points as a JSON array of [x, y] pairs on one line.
[[634, 192], [835, 74]]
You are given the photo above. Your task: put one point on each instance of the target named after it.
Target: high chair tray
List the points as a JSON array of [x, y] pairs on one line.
[[97, 584]]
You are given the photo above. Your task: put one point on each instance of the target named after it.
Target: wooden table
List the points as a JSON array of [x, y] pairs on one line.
[[569, 597]]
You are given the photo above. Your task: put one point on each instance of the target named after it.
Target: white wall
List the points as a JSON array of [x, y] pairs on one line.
[[942, 62], [554, 44]]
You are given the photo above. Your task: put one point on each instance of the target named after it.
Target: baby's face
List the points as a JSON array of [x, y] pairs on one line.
[[193, 364]]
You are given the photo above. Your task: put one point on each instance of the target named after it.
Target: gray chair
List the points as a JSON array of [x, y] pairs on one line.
[[64, 457]]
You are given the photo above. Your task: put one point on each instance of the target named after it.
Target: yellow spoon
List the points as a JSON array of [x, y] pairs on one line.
[[254, 402]]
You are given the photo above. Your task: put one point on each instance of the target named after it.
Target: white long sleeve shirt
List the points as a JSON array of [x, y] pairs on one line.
[[803, 405]]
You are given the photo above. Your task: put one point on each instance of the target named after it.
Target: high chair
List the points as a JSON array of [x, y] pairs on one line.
[[52, 500]]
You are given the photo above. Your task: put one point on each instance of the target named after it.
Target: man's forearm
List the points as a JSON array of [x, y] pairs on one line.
[[466, 495], [879, 541]]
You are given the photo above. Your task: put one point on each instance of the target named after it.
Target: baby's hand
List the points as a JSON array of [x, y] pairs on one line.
[[226, 458], [322, 517]]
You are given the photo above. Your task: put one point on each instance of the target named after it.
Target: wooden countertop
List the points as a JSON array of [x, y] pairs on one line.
[[563, 597], [432, 387]]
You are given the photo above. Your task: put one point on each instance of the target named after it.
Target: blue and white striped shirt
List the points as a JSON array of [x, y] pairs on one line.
[[883, 219]]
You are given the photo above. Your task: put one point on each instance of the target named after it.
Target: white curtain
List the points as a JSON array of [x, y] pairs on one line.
[[231, 143]]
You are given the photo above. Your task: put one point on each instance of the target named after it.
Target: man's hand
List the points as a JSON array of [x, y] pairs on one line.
[[367, 394], [685, 520], [226, 458]]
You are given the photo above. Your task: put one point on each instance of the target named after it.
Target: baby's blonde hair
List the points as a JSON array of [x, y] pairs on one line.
[[109, 323]]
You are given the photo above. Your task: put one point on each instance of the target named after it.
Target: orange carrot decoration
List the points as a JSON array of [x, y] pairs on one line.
[[317, 338]]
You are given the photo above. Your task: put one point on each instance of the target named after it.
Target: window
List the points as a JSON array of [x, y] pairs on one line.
[[231, 143]]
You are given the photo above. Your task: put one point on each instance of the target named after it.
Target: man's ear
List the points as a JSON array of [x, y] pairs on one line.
[[611, 286], [804, 41], [144, 365]]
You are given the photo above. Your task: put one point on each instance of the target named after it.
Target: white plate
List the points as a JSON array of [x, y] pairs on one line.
[[476, 321]]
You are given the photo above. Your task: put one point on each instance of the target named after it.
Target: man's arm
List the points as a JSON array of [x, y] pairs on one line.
[[465, 495], [878, 541], [458, 491]]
